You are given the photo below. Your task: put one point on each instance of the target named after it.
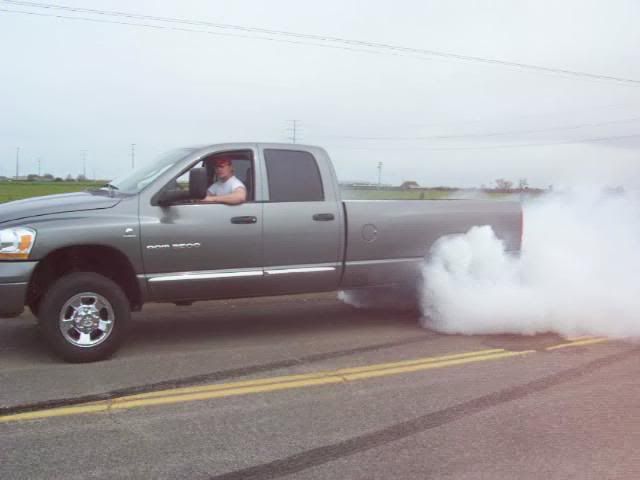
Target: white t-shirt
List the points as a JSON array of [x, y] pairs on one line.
[[225, 188]]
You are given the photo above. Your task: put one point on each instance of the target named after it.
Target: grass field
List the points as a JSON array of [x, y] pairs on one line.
[[418, 194], [21, 189], [388, 194]]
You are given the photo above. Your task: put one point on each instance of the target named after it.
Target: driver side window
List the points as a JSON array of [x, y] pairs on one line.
[[243, 170]]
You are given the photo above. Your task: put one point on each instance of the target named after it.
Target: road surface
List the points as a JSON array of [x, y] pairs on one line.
[[306, 387]]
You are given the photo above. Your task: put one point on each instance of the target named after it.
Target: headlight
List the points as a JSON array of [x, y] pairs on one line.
[[16, 243]]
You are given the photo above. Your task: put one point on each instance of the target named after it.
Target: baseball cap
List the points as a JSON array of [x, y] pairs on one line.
[[221, 161]]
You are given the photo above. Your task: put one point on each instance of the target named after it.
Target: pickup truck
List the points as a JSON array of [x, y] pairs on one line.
[[82, 262]]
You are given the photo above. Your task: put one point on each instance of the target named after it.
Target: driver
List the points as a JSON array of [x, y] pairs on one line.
[[227, 188]]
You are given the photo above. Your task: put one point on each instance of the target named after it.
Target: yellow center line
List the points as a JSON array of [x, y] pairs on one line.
[[304, 376], [322, 378], [576, 343], [207, 392], [204, 392]]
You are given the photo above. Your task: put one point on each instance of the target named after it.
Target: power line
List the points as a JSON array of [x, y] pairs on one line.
[[580, 112], [483, 135], [325, 40], [191, 30], [510, 145]]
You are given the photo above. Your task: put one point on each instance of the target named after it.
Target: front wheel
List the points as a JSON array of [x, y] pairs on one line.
[[84, 317]]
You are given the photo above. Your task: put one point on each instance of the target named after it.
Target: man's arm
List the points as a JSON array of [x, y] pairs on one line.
[[238, 196]]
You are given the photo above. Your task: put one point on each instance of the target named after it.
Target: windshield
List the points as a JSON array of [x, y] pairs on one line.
[[136, 180]]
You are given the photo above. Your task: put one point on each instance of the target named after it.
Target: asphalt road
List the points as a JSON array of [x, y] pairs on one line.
[[307, 387]]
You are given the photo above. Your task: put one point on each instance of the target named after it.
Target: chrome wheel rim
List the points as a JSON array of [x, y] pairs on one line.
[[86, 320]]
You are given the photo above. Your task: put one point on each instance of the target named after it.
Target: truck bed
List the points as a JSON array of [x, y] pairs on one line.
[[387, 240]]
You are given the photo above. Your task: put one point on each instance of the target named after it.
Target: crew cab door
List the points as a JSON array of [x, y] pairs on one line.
[[203, 251], [303, 224]]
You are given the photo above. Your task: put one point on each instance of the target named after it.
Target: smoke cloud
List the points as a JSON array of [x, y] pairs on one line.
[[577, 273]]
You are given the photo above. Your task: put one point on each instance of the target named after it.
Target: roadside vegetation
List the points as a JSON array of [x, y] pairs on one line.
[[390, 193], [17, 190], [395, 193]]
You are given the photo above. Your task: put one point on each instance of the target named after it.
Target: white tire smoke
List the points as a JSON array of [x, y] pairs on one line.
[[577, 273]]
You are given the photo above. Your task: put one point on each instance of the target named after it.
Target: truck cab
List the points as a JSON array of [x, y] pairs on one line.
[[287, 236], [82, 262]]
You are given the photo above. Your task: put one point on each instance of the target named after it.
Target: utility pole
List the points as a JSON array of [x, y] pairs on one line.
[[39, 166], [294, 131], [379, 174], [17, 163], [84, 164], [133, 156]]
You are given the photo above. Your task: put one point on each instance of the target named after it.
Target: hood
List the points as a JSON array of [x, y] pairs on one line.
[[62, 203]]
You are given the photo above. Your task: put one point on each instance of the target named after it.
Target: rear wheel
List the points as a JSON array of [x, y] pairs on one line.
[[84, 317]]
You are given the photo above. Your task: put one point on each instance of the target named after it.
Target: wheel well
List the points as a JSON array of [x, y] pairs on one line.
[[106, 261]]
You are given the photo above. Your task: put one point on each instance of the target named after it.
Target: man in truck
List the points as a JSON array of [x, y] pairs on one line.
[[227, 188]]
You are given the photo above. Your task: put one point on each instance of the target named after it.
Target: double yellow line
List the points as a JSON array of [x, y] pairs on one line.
[[579, 341], [207, 392]]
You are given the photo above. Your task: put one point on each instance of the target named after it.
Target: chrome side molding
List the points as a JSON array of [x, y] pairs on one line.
[[212, 275], [283, 271]]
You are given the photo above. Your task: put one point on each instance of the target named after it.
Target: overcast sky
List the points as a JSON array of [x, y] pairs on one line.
[[69, 85]]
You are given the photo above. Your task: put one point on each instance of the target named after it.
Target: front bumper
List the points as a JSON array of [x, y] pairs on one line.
[[14, 281]]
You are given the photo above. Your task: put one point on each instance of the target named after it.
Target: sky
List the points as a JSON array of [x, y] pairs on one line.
[[87, 87]]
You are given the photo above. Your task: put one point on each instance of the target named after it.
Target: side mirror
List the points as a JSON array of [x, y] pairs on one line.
[[167, 197], [198, 183]]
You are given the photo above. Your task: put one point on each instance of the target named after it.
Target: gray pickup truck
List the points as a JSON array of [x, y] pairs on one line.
[[83, 261]]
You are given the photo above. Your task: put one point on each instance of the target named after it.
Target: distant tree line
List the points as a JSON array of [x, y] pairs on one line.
[[47, 177], [500, 185]]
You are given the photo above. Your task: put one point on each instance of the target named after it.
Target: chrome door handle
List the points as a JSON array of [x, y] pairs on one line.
[[323, 217], [244, 220]]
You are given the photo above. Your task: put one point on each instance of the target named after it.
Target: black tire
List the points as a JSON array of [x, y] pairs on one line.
[[34, 306], [84, 285]]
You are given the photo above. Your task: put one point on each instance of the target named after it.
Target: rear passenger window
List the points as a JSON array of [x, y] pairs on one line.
[[293, 176]]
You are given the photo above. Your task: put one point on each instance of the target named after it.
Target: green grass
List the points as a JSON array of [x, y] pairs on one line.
[[413, 194], [22, 189], [387, 194]]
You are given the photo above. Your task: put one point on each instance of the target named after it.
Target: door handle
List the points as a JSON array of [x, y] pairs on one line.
[[323, 217], [244, 220]]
